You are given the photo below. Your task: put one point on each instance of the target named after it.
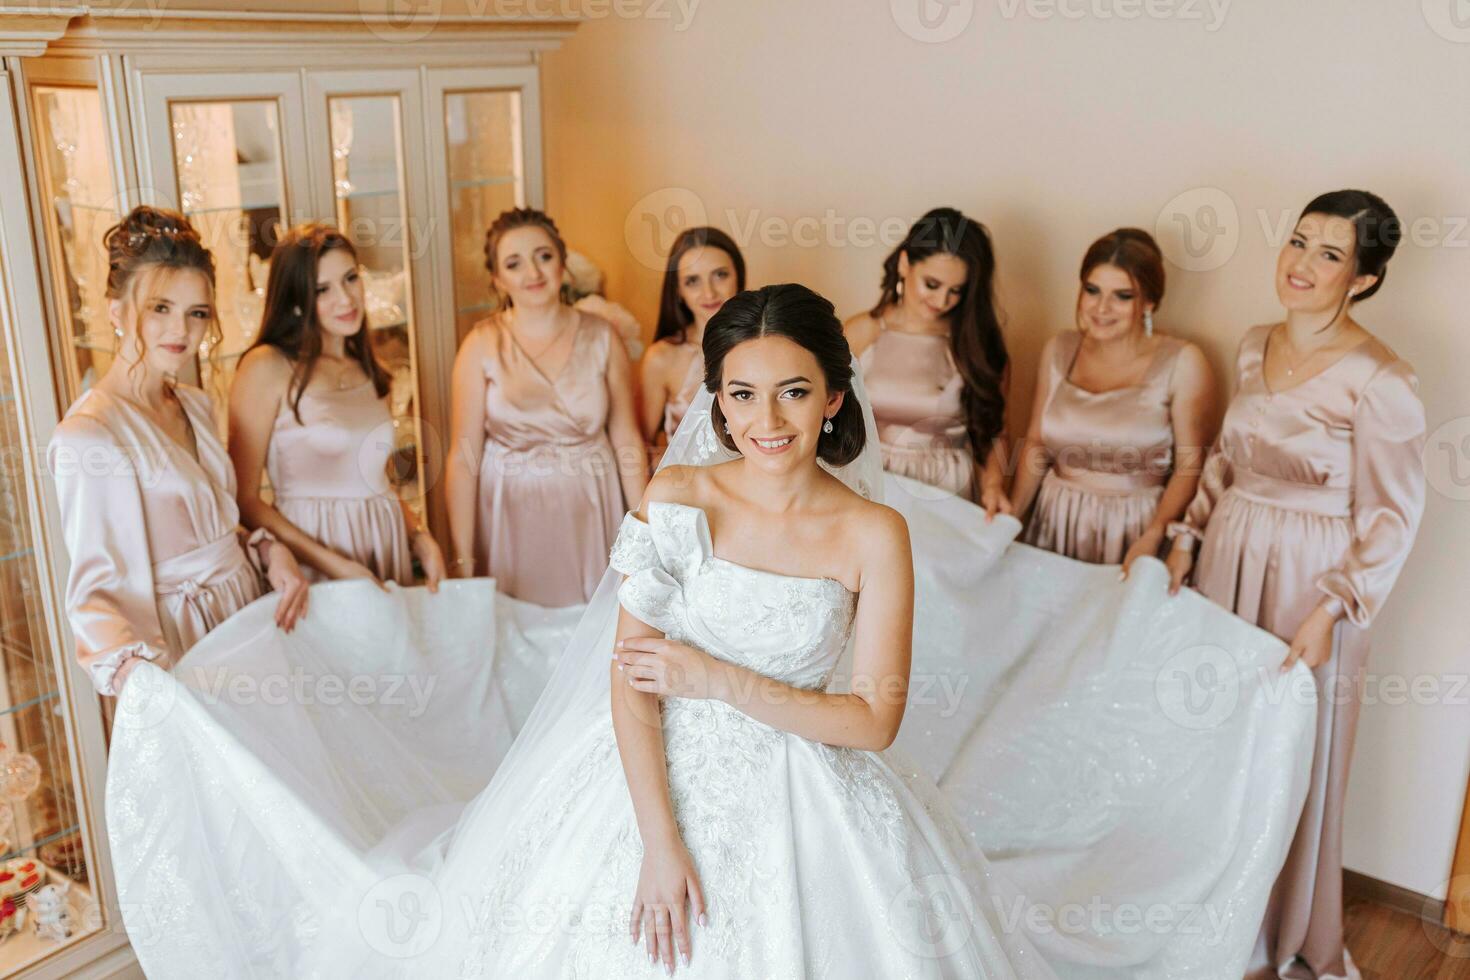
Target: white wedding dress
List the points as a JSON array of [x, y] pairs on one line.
[[345, 800]]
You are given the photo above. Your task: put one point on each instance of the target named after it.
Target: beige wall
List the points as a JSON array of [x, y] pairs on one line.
[[1053, 123]]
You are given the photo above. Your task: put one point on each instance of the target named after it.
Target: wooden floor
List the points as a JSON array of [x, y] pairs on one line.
[[1391, 945]]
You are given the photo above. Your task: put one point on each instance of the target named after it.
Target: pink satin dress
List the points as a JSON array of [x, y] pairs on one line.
[[157, 553], [675, 407], [1313, 493], [329, 474], [914, 387], [1110, 453], [550, 498]]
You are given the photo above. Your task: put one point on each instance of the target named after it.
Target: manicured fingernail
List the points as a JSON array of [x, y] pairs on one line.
[[622, 643], [703, 919], [683, 957]]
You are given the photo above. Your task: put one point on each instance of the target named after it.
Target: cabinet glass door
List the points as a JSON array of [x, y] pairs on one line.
[[80, 203], [227, 162], [42, 842], [369, 203], [485, 154]]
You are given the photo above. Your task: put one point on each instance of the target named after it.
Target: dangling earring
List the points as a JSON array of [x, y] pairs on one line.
[[117, 331], [898, 289], [727, 428], [827, 426], [1148, 323]]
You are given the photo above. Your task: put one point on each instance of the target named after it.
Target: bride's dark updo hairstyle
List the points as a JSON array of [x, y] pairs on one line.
[[801, 316]]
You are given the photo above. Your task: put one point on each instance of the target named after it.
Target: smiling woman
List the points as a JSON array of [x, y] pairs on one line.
[[544, 448], [1307, 508]]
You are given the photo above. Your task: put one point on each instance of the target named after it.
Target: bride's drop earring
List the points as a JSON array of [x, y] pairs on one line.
[[1148, 323], [827, 426]]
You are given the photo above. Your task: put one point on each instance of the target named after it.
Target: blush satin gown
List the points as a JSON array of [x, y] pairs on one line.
[[1110, 454], [550, 498], [329, 473], [158, 557], [1313, 494]]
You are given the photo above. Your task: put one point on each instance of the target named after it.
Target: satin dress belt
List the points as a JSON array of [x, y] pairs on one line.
[[1313, 498], [194, 572], [1098, 481]]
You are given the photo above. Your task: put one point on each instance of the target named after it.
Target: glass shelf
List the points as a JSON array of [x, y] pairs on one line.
[[486, 177], [38, 699]]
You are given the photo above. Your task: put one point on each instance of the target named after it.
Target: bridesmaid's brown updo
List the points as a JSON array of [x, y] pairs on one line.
[[509, 221], [1135, 252], [150, 241], [797, 313]]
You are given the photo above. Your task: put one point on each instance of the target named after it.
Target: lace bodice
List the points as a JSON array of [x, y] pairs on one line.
[[787, 628]]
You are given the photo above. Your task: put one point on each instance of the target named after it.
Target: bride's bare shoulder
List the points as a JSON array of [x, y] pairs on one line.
[[878, 532], [681, 485]]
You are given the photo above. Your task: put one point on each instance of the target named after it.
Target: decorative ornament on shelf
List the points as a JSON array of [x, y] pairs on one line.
[[20, 774]]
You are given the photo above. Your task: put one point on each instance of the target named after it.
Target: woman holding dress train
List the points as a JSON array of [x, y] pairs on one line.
[[147, 494], [1306, 512]]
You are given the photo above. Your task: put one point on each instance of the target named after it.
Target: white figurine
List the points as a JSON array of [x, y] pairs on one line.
[[53, 917]]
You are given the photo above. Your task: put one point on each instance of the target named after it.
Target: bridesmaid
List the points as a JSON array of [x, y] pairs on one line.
[[545, 443], [309, 404], [147, 496], [1121, 418], [705, 268], [934, 360], [1306, 511]]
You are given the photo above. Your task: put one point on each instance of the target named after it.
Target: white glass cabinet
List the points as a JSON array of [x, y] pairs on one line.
[[410, 142]]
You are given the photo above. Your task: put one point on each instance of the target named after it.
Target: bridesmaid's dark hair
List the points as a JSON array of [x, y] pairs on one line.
[[1135, 252], [674, 317], [289, 323], [152, 240], [508, 221], [1377, 231], [975, 337], [805, 318]]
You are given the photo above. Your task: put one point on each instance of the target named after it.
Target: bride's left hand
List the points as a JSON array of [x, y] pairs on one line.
[[668, 668]]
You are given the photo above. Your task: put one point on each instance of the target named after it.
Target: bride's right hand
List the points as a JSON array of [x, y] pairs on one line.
[[666, 881]]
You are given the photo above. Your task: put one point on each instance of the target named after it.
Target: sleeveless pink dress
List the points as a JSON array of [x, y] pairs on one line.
[[1310, 493], [551, 502], [914, 388], [329, 473], [1110, 455]]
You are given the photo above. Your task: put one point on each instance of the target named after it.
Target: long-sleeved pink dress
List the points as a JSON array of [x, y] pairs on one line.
[[329, 473], [550, 499], [157, 553], [1110, 455], [1313, 495]]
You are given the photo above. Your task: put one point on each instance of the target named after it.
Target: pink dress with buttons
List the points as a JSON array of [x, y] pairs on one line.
[[1312, 494]]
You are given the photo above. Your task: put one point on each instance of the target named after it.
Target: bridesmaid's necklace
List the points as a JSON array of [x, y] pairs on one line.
[[1293, 362], [341, 377], [560, 333]]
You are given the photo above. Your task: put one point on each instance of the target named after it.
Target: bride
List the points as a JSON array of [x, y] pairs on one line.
[[687, 793]]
